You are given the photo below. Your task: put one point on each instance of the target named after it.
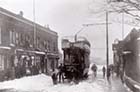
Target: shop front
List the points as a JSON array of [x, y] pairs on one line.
[[31, 62], [5, 63], [52, 62]]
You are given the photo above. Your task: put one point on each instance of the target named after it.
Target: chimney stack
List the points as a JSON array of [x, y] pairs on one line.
[[21, 13]]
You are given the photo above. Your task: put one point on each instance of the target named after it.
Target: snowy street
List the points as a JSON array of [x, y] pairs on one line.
[[43, 83]]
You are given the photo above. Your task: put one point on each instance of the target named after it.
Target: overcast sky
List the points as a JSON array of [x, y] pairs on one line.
[[67, 16]]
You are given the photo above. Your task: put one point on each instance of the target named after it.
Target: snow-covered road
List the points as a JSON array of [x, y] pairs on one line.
[[43, 83]]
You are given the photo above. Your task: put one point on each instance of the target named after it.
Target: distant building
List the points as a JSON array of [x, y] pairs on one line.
[[19, 41]]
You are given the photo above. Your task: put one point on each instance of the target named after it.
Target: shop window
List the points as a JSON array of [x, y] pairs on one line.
[[1, 62]]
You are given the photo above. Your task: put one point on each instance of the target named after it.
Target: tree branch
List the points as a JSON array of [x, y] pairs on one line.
[[127, 7]]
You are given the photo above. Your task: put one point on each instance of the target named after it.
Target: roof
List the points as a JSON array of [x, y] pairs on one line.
[[24, 20]]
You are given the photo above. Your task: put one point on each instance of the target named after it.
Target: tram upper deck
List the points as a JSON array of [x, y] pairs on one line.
[[81, 43]]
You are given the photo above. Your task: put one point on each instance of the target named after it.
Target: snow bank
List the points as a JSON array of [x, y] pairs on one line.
[[43, 83], [37, 82], [81, 87]]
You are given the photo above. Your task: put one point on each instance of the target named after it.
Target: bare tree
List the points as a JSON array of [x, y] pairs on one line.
[[126, 6]]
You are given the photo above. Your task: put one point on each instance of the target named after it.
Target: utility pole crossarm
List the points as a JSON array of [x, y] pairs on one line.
[[95, 24], [86, 25]]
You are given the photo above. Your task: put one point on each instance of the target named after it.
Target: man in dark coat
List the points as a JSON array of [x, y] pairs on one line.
[[103, 69], [54, 77], [94, 69], [108, 74], [61, 71]]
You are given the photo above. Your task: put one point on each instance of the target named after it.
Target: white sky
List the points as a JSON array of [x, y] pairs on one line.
[[67, 16]]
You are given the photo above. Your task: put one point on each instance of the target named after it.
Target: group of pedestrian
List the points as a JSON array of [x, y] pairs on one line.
[[58, 76], [111, 70], [106, 72]]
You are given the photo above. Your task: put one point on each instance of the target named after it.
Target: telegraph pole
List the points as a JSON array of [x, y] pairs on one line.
[[122, 25], [34, 25], [107, 40], [107, 46]]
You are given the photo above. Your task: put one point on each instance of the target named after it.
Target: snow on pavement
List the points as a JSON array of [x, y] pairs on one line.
[[43, 83], [28, 83]]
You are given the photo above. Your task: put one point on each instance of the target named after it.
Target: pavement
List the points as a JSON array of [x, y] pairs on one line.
[[115, 84], [134, 85]]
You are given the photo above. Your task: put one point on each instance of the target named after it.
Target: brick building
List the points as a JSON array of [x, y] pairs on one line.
[[19, 41]]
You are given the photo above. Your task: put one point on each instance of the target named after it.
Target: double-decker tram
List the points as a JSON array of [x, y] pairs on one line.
[[76, 58]]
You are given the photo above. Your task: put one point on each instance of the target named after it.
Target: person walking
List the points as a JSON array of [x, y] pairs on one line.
[[103, 70], [122, 75], [108, 74], [61, 73], [94, 69], [54, 77]]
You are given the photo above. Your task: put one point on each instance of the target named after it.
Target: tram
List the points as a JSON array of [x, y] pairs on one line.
[[76, 58]]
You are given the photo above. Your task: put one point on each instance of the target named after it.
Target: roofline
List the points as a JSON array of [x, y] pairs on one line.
[[24, 20]]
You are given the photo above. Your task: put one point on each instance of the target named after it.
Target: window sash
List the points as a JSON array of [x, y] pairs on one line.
[[1, 62]]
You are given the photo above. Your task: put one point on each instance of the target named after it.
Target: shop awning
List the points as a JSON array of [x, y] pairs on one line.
[[5, 47], [19, 49], [127, 52], [35, 52], [39, 52], [53, 55]]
